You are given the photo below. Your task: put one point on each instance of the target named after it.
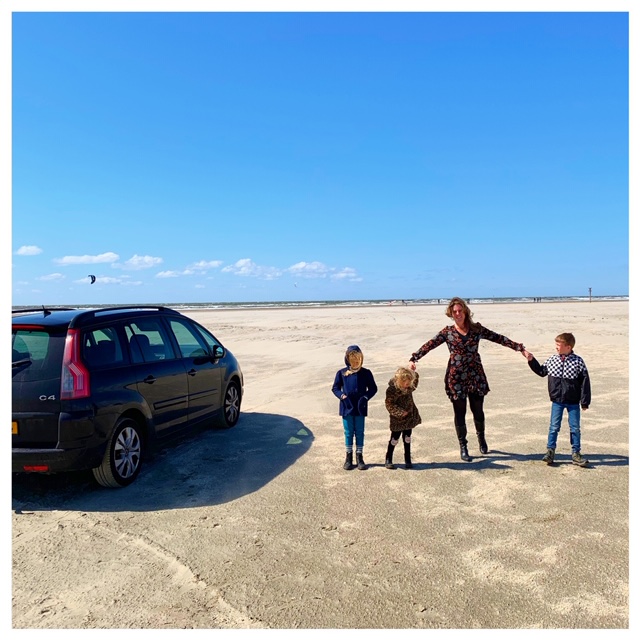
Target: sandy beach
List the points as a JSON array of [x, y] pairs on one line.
[[259, 527]]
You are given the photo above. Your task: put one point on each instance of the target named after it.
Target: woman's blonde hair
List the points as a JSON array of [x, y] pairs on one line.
[[465, 307]]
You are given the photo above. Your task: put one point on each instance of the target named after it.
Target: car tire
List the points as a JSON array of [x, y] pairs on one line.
[[230, 406], [123, 457]]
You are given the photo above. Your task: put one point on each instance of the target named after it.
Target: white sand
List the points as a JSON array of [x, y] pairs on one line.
[[260, 527]]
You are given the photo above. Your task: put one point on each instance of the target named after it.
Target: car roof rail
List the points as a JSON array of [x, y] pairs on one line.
[[134, 307], [92, 313]]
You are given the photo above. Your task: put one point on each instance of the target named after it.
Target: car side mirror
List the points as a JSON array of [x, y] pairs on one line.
[[218, 352]]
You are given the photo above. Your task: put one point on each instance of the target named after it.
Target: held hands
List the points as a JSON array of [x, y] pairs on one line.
[[412, 366], [527, 355]]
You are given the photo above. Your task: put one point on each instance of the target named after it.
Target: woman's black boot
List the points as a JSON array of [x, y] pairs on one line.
[[348, 463], [482, 443], [388, 460], [407, 456], [461, 432]]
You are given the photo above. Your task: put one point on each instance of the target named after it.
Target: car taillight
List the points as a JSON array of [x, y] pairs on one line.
[[75, 377]]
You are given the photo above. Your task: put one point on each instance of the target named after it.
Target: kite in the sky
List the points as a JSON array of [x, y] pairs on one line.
[[93, 278]]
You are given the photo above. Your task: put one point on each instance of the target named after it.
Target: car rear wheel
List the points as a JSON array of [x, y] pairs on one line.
[[123, 457], [230, 406]]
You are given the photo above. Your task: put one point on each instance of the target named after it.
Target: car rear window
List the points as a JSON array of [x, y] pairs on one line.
[[36, 352]]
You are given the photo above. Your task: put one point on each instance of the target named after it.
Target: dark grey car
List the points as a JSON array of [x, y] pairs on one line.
[[99, 388]]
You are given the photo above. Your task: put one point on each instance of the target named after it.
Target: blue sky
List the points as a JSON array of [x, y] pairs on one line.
[[211, 157]]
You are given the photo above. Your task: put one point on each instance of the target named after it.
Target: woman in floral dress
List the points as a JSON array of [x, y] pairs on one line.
[[465, 377]]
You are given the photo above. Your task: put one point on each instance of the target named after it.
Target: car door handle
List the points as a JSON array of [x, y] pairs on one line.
[[149, 379], [191, 372]]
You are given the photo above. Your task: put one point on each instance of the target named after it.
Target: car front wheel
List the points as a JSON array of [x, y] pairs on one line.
[[230, 406], [123, 457]]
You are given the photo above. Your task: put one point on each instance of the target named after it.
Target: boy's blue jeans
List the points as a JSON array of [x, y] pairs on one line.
[[573, 412], [353, 425]]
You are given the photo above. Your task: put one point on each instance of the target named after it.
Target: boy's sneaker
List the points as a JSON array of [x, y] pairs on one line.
[[549, 456], [578, 459]]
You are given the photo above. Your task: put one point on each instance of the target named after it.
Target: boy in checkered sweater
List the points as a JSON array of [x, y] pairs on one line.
[[569, 388]]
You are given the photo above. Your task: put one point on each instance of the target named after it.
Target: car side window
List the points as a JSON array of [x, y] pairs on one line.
[[101, 347], [148, 341], [189, 340]]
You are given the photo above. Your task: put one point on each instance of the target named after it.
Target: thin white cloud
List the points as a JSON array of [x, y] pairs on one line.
[[99, 259], [309, 270], [247, 267], [196, 269], [28, 250], [321, 270], [136, 263], [110, 280], [346, 274], [52, 277], [203, 265]]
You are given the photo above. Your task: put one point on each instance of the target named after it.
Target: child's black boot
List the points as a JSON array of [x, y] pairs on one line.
[[407, 456], [361, 465], [348, 463], [388, 461]]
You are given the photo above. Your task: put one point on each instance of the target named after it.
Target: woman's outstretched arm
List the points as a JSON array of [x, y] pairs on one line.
[[436, 341]]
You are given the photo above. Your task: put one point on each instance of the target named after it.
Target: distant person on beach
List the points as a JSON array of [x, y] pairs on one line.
[[465, 376], [403, 413], [354, 386], [570, 389]]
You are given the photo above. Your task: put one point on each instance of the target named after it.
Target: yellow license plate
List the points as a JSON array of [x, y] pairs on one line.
[[14, 428]]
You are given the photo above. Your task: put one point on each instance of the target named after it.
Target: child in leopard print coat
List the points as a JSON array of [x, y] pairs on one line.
[[403, 413]]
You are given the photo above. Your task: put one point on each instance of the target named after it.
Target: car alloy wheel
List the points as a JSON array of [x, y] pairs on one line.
[[231, 405], [123, 457]]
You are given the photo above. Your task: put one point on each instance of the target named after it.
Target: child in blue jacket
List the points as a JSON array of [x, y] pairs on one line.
[[354, 386]]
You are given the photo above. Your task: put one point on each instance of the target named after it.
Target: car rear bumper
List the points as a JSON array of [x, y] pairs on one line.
[[55, 460]]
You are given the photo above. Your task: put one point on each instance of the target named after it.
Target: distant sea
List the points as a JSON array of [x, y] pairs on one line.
[[284, 304]]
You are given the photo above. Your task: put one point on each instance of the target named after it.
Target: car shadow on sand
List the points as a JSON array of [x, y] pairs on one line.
[[208, 467]]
